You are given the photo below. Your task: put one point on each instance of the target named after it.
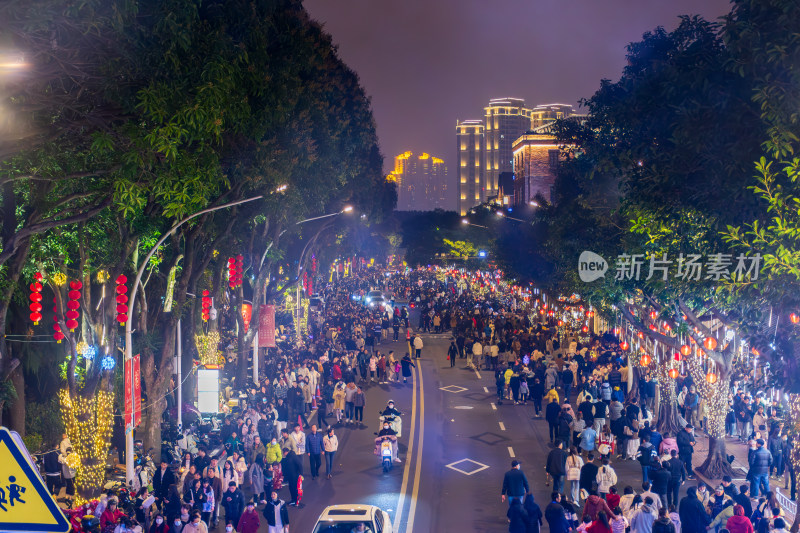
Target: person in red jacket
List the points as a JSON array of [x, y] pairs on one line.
[[111, 515], [595, 504], [612, 498], [249, 522], [739, 523]]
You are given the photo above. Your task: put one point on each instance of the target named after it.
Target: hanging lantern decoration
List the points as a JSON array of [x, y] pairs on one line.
[[73, 304], [677, 356], [795, 318], [560, 323], [673, 373], [710, 343], [585, 329], [590, 314], [653, 315], [624, 346], [206, 305], [57, 334], [122, 299], [711, 378], [231, 272], [239, 269], [640, 335], [667, 327], [652, 327], [645, 360], [247, 315], [755, 352], [686, 350], [36, 299]]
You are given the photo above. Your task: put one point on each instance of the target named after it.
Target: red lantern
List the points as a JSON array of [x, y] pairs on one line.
[[686, 349], [560, 323], [710, 343], [677, 356], [206, 306], [645, 360], [711, 377], [673, 373], [666, 327], [122, 299], [231, 272], [653, 315], [755, 352], [590, 314], [624, 346], [640, 335], [73, 305], [57, 335], [795, 318], [36, 298], [585, 329]]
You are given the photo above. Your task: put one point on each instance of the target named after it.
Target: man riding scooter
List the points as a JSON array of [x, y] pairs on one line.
[[392, 416], [387, 431]]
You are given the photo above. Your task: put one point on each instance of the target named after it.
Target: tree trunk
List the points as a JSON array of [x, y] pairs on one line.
[[17, 410], [716, 464], [668, 421]]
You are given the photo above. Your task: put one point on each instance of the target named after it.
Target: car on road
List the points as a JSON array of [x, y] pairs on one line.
[[347, 518], [377, 300]]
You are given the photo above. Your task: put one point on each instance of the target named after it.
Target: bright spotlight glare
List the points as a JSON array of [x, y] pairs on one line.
[[347, 209]]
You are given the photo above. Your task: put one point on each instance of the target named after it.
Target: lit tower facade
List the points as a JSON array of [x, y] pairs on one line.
[[505, 119], [471, 161], [422, 182]]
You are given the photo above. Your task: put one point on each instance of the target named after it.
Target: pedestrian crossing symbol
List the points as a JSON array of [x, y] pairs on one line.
[[25, 503]]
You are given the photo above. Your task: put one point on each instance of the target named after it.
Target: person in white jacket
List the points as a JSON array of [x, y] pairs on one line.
[[418, 347], [606, 478]]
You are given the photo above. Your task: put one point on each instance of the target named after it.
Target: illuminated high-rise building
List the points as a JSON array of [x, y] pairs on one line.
[[421, 183], [486, 148], [471, 177]]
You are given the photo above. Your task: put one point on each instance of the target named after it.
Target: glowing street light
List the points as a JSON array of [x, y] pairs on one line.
[[468, 223]]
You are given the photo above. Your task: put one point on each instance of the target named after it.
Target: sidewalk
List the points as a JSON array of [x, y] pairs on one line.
[[740, 467]]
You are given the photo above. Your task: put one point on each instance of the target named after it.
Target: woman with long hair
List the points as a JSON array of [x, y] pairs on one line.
[[601, 525]]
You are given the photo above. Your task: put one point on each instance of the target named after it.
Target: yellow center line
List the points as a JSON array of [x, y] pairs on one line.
[[413, 507], [401, 500]]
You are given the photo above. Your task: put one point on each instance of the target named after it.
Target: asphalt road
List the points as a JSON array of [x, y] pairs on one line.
[[463, 443]]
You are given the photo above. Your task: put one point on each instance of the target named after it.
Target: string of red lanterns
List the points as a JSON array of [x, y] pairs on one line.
[[206, 305], [36, 299], [58, 335], [122, 299]]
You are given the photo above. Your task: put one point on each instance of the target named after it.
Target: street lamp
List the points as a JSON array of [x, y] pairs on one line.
[[468, 223], [533, 204], [132, 302], [503, 215], [346, 209]]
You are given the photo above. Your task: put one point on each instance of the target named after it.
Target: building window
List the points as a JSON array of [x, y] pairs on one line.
[[463, 196], [553, 158]]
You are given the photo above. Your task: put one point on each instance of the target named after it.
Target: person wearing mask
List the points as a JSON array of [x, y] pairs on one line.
[[330, 444], [250, 521], [195, 525], [159, 525], [694, 518], [233, 503], [274, 454], [556, 516], [515, 484], [277, 515]]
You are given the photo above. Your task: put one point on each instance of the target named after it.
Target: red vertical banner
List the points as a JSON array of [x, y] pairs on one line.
[[137, 391], [266, 326], [133, 392]]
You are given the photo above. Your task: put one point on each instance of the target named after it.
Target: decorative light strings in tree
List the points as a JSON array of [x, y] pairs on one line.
[[89, 424]]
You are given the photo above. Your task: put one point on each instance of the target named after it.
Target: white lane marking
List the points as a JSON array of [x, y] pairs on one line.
[[502, 426], [494, 407], [486, 390], [511, 452], [477, 373]]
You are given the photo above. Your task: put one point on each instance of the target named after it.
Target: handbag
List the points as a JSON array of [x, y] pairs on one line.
[[573, 472]]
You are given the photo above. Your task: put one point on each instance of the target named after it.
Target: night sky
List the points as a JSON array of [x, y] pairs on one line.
[[427, 63]]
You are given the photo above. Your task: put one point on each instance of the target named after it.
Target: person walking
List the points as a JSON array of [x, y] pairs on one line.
[[407, 364], [452, 352], [314, 450], [330, 444], [277, 514], [534, 514], [517, 517], [574, 465], [556, 466], [555, 515], [694, 518], [686, 442], [606, 477], [760, 462], [418, 345], [515, 484], [233, 503]]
